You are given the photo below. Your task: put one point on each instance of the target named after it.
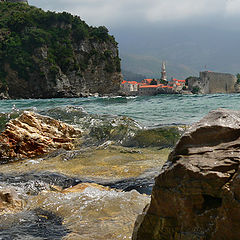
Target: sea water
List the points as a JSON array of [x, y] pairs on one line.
[[150, 111], [96, 214]]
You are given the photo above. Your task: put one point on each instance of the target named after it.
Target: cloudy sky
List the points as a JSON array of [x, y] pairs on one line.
[[189, 33], [114, 13]]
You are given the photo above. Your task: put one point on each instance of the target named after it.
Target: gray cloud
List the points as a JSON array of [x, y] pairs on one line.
[[125, 12]]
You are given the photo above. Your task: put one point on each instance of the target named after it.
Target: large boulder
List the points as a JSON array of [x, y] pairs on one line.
[[197, 194], [31, 135]]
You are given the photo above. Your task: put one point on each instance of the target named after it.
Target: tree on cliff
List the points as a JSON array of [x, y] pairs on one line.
[[50, 44]]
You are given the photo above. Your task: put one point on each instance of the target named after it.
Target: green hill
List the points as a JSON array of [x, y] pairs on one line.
[[48, 54]]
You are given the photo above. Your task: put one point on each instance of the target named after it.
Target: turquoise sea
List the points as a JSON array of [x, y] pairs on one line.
[[149, 111]]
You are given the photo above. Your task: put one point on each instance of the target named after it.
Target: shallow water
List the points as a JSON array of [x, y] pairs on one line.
[[117, 150], [93, 213]]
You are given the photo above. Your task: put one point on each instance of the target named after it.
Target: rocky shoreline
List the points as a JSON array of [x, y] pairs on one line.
[[108, 166], [87, 169], [196, 195]]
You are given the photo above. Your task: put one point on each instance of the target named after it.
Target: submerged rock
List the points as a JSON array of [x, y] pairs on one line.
[[157, 137], [91, 211], [9, 201], [82, 186], [32, 135], [36, 224], [196, 195]]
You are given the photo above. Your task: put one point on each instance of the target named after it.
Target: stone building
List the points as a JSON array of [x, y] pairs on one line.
[[129, 87], [213, 82]]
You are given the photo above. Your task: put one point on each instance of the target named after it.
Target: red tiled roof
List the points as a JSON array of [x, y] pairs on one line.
[[181, 81], [123, 82], [148, 79], [174, 79], [133, 82], [150, 86]]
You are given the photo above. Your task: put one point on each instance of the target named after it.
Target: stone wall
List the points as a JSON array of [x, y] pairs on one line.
[[218, 82], [213, 82]]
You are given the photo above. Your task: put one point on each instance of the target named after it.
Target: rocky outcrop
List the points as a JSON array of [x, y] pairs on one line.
[[197, 194], [32, 135], [3, 92], [51, 81], [58, 55]]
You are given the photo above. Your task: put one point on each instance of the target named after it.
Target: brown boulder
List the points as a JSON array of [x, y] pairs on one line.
[[32, 135], [197, 194]]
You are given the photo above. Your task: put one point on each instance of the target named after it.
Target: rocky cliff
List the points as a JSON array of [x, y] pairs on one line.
[[47, 54], [196, 196]]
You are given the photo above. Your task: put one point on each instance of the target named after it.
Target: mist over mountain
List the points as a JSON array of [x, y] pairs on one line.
[[187, 50], [190, 36]]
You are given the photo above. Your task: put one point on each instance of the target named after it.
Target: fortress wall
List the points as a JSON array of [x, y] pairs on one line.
[[213, 82]]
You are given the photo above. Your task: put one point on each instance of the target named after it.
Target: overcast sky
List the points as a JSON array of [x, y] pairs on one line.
[[116, 13], [188, 32]]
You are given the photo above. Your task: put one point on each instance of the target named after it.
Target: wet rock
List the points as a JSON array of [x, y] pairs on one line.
[[34, 182], [94, 212], [158, 137], [9, 201], [32, 135], [112, 164], [33, 224], [82, 186], [196, 195]]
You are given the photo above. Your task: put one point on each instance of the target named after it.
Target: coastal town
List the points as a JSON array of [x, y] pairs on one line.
[[208, 82], [154, 86]]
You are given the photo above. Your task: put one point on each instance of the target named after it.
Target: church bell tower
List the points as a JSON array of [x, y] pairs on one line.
[[163, 72]]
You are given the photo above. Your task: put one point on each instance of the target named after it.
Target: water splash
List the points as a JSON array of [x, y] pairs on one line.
[[93, 213]]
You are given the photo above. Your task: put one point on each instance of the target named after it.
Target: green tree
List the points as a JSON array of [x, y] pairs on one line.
[[238, 78], [153, 82], [195, 90]]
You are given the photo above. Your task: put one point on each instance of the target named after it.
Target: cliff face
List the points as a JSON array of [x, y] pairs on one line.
[[45, 54]]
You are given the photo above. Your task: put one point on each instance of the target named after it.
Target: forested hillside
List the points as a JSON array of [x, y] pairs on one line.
[[48, 54]]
